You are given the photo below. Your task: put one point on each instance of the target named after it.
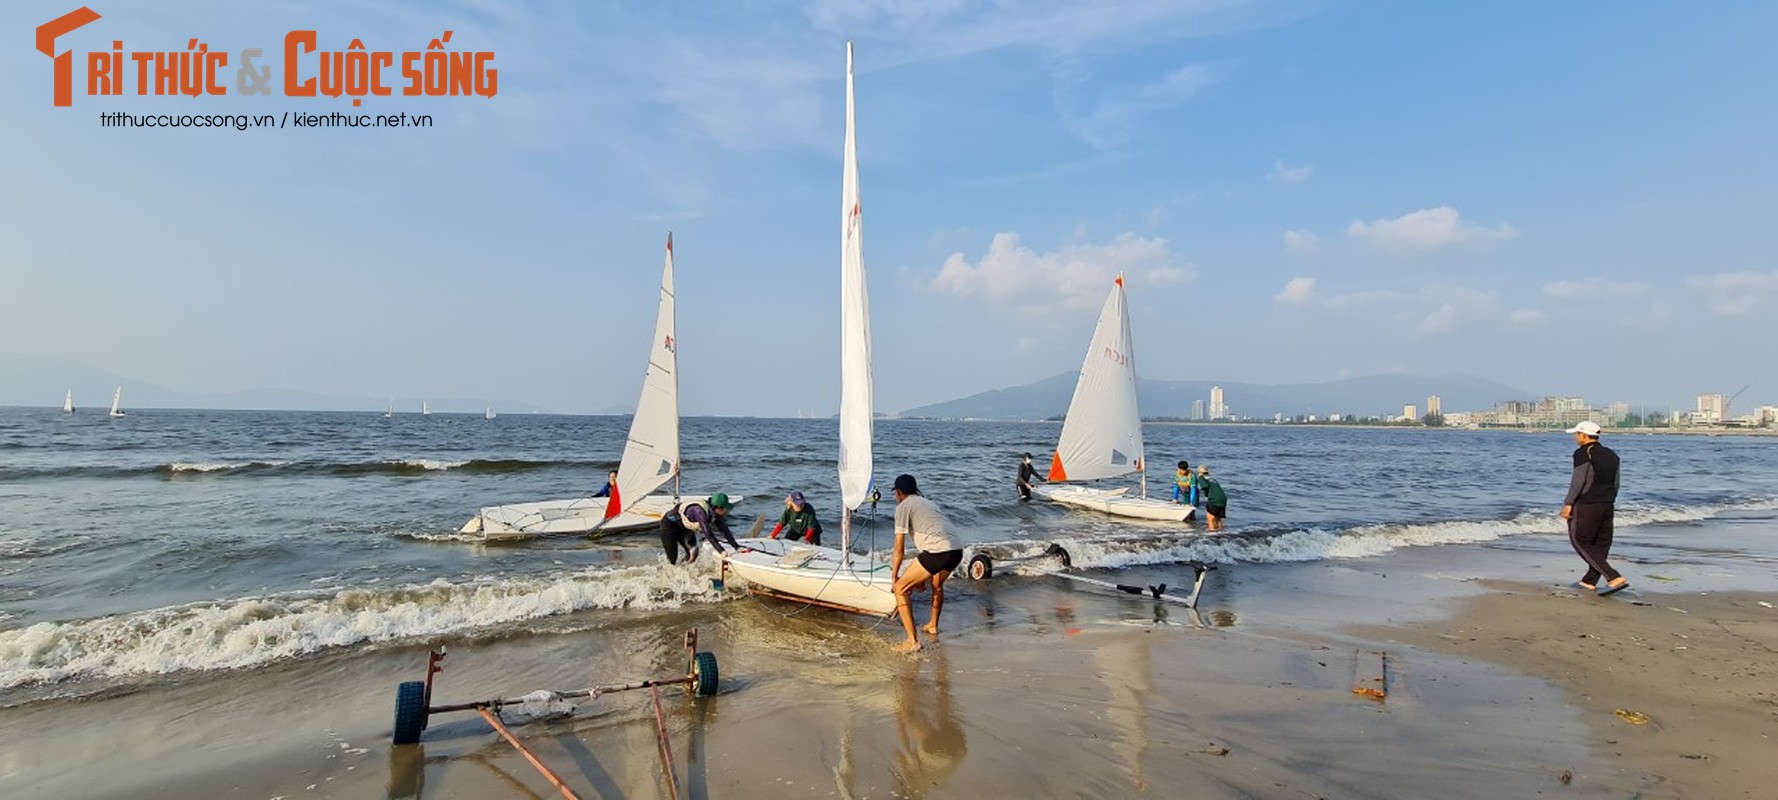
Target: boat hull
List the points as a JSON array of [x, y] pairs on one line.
[[1113, 502], [575, 516], [819, 574]]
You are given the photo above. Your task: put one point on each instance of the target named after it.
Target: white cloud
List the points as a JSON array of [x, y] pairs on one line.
[[1595, 289], [1424, 231], [1431, 311], [1116, 115], [1301, 242], [1074, 276], [1284, 174], [1298, 292], [1628, 304], [1734, 293]]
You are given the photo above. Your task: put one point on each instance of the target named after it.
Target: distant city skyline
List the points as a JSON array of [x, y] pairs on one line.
[[1565, 197]]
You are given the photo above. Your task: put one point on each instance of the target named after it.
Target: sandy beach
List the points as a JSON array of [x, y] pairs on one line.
[[1037, 688]]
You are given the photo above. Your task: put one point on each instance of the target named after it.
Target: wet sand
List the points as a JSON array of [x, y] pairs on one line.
[[1037, 688]]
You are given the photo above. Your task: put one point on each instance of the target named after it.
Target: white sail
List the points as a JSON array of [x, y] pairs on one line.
[[855, 366], [489, 413], [425, 409], [68, 403], [117, 403], [651, 454], [1102, 434]]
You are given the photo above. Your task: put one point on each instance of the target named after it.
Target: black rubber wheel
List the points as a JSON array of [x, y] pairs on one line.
[[1056, 550], [981, 567], [410, 711], [705, 674]]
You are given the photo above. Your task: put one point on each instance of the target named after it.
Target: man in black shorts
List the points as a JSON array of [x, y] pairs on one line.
[[939, 554]]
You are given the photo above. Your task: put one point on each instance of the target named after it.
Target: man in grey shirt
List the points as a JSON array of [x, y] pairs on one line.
[[917, 517], [1592, 495]]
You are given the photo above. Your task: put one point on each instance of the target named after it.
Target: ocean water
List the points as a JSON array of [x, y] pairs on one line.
[[170, 542]]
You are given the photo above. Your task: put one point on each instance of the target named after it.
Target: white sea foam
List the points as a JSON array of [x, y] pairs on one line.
[[1367, 541], [218, 466], [428, 463], [251, 631]]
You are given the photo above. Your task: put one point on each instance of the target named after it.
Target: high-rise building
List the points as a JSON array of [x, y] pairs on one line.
[[1711, 407], [1410, 412], [1435, 406], [1197, 411], [1217, 409]]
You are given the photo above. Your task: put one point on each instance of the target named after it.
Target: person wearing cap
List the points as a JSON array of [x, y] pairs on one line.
[[1216, 502], [799, 519], [919, 518], [1027, 474], [1592, 494], [681, 525]]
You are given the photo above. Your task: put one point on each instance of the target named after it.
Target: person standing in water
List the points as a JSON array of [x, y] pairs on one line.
[[1592, 496], [917, 517], [798, 520], [1216, 502], [1027, 474]]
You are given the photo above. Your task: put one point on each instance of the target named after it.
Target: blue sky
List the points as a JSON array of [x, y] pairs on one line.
[[1573, 198]]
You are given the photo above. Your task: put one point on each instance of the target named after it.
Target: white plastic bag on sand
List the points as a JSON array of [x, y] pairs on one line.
[[541, 704]]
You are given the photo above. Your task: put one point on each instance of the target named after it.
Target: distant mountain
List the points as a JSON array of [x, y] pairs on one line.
[[42, 381], [1369, 395]]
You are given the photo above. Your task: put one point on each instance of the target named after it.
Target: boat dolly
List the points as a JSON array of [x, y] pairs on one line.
[[981, 567], [414, 708]]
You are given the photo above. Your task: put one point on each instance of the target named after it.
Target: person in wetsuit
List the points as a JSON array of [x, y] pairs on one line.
[[681, 525], [1027, 474]]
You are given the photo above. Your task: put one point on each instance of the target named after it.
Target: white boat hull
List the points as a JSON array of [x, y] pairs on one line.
[[579, 515], [1113, 502], [816, 573]]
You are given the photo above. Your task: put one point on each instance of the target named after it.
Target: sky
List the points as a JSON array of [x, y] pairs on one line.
[[1572, 198]]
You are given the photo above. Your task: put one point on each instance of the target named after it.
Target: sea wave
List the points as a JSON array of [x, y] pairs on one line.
[[252, 631], [1278, 545], [243, 468]]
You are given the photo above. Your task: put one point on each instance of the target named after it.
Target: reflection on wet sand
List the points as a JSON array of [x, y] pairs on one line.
[[932, 743], [1126, 666]]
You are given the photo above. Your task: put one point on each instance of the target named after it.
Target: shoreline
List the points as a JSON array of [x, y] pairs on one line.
[[1037, 688]]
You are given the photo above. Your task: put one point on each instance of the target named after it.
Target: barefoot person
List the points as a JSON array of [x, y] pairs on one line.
[[1592, 492], [917, 517]]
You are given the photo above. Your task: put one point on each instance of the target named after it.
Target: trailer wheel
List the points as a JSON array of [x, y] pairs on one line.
[[410, 711], [1057, 550], [705, 673], [981, 567]]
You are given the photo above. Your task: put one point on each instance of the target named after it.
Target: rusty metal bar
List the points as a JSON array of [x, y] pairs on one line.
[[513, 701], [494, 720], [660, 727]]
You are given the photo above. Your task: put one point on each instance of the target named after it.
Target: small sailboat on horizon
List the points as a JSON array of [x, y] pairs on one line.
[[425, 410], [489, 414], [68, 403], [117, 403]]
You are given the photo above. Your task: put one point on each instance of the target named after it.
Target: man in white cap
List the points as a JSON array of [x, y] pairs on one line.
[[1592, 491]]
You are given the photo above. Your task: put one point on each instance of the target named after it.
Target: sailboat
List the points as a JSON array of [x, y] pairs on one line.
[[68, 403], [390, 413], [1102, 434], [117, 403], [827, 576], [488, 414], [425, 410], [650, 458]]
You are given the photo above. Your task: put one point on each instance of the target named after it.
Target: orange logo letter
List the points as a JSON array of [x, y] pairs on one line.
[[46, 44]]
